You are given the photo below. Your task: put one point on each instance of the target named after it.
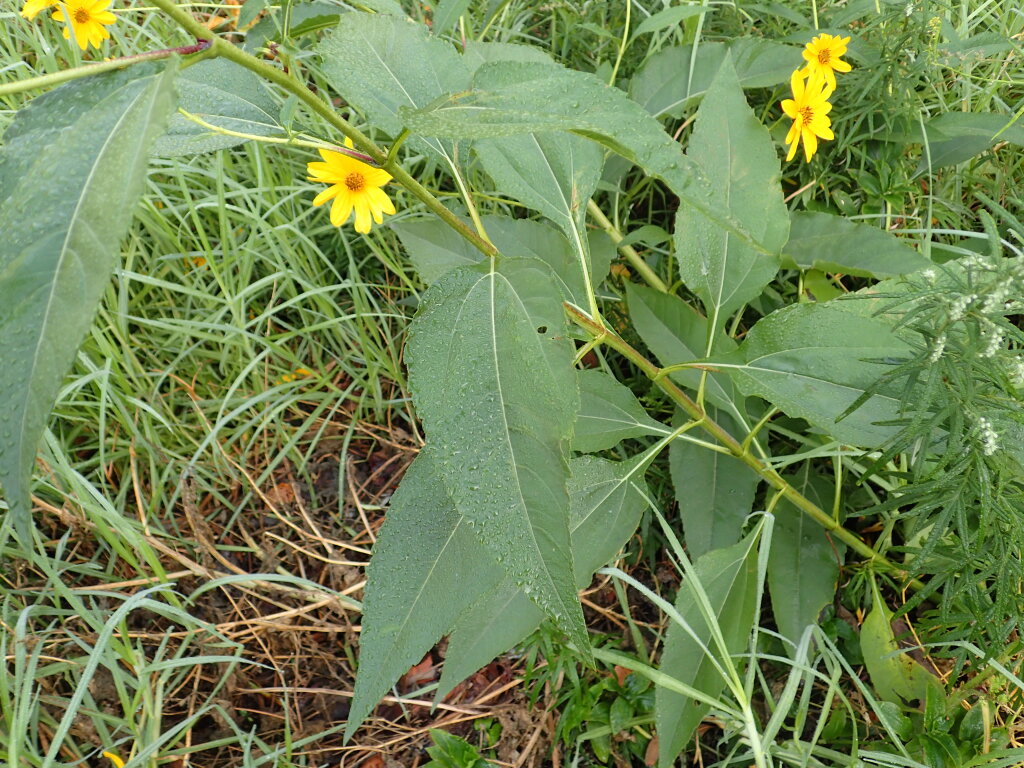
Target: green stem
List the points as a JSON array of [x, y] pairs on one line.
[[767, 473], [634, 258], [88, 70], [221, 47]]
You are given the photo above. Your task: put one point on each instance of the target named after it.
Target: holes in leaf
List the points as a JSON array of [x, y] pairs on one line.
[[542, 329]]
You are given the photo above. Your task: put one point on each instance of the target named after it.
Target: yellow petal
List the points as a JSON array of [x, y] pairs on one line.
[[117, 761], [794, 132], [362, 216], [342, 207], [789, 107], [823, 131], [796, 82], [376, 177], [324, 196], [841, 66], [810, 143], [380, 199], [792, 148]]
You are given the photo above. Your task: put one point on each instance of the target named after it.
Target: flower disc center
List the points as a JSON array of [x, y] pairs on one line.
[[824, 56], [806, 115], [81, 15], [355, 181]]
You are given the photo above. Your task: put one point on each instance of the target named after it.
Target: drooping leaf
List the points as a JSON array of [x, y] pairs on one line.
[[303, 18], [835, 244], [665, 86], [676, 333], [815, 361], [427, 568], [225, 95], [607, 501], [381, 63], [609, 413], [729, 579], [895, 676], [715, 492], [435, 249], [738, 156], [71, 171], [491, 373], [512, 98], [803, 564]]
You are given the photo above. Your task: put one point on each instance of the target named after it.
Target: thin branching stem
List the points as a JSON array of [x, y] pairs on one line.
[[736, 448]]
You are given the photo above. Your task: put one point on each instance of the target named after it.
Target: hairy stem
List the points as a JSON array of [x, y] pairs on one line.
[[735, 447], [221, 47]]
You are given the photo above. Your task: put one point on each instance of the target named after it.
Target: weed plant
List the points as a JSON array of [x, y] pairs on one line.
[[216, 466]]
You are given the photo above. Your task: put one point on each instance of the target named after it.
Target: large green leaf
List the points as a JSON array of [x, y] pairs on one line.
[[738, 156], [677, 333], [223, 94], [381, 63], [803, 565], [715, 492], [729, 579], [553, 173], [665, 85], [435, 249], [71, 172], [447, 14], [512, 98], [609, 413], [835, 244], [607, 501], [815, 361], [490, 368], [955, 137], [427, 568]]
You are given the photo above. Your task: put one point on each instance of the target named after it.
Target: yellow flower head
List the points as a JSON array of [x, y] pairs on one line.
[[809, 110], [823, 58], [89, 18], [353, 184], [31, 8]]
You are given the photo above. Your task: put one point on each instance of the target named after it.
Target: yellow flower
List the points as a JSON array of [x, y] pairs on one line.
[[809, 110], [354, 185], [823, 58], [117, 761], [31, 8], [89, 18]]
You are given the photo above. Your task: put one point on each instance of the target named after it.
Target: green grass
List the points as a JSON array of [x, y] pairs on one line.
[[167, 534]]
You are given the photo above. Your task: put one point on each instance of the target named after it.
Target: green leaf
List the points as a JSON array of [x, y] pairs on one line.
[[664, 86], [676, 333], [303, 19], [815, 361], [71, 171], [447, 15], [836, 244], [738, 156], [382, 63], [803, 565], [668, 17], [477, 53], [729, 578], [955, 137], [490, 368], [715, 492], [225, 95], [427, 568], [435, 249], [895, 676], [512, 98], [609, 413], [607, 501], [553, 173]]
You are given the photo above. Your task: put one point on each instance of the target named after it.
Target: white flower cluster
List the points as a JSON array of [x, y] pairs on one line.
[[989, 437], [959, 306]]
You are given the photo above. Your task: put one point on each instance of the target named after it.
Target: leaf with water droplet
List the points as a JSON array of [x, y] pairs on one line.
[[71, 170], [487, 383]]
